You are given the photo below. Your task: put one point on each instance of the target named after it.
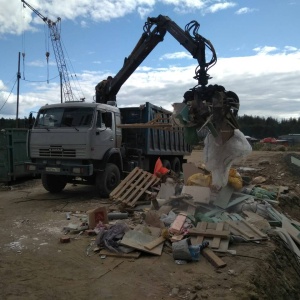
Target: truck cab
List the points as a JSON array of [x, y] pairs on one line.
[[74, 141]]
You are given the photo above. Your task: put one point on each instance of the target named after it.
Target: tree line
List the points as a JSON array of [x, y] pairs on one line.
[[258, 127]]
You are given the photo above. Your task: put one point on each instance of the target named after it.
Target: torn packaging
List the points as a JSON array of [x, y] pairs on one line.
[[219, 157]]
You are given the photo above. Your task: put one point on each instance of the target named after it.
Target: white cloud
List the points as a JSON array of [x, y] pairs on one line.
[[290, 48], [244, 10], [15, 19], [2, 86], [176, 55], [266, 83], [220, 6], [264, 50]]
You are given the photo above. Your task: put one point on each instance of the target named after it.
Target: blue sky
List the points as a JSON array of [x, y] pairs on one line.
[[257, 44]]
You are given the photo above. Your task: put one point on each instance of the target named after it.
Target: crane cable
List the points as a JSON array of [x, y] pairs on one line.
[[47, 50], [9, 94], [23, 41]]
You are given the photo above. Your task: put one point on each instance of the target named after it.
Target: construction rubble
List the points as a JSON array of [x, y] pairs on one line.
[[185, 216]]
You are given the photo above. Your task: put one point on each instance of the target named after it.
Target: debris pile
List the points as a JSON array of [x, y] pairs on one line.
[[184, 216]]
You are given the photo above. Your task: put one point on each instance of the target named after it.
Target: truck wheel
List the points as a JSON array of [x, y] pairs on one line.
[[108, 180], [53, 183], [166, 163], [176, 165]]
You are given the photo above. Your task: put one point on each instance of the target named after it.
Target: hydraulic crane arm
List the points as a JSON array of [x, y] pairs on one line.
[[58, 51], [204, 105], [193, 42]]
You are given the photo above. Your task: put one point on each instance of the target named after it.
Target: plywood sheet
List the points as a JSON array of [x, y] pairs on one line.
[[200, 194], [138, 240]]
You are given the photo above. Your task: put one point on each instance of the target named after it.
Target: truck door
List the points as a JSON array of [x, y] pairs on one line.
[[104, 138]]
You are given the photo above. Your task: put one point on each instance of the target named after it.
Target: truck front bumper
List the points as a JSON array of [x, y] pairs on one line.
[[70, 170]]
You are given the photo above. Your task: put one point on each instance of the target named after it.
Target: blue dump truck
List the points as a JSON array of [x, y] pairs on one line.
[[96, 143]]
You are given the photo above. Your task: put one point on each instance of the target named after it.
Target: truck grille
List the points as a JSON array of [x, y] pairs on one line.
[[57, 152]]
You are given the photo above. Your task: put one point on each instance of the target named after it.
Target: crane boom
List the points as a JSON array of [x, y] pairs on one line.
[[194, 43], [58, 52], [204, 105]]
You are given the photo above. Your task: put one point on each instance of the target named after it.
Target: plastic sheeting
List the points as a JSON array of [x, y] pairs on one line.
[[219, 157]]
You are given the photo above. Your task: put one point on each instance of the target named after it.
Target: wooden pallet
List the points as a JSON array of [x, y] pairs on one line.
[[133, 186], [217, 234]]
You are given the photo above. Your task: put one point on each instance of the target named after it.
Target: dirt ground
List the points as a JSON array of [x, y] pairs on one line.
[[35, 265]]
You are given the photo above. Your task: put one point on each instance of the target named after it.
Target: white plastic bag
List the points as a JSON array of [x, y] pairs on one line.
[[219, 157]]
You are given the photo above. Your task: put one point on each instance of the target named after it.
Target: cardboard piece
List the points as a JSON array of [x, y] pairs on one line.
[[189, 169], [138, 240], [200, 194], [96, 215], [223, 197], [166, 191]]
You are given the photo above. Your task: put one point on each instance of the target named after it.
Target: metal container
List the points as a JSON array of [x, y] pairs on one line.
[[13, 154]]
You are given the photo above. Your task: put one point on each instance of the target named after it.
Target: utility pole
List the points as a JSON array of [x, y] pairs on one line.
[[18, 91]]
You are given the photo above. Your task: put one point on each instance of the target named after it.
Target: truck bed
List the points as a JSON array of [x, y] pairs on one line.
[[152, 141]]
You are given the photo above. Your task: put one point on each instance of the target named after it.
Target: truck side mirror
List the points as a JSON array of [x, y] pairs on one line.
[[30, 121]]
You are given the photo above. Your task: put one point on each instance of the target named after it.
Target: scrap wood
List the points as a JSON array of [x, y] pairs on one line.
[[253, 228], [155, 243], [157, 123], [246, 230], [133, 186], [133, 254], [217, 240], [176, 238], [292, 230], [178, 223], [213, 258], [216, 243], [137, 240], [284, 235], [209, 233], [181, 197]]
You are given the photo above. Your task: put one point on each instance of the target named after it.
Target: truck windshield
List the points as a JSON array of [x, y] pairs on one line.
[[65, 117]]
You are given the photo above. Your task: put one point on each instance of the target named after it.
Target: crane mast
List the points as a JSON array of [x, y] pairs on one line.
[[58, 52]]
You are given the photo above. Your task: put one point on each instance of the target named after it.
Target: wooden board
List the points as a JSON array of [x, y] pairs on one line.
[[213, 258], [155, 243], [217, 244], [138, 240], [178, 223], [210, 233], [133, 254], [246, 230], [133, 186]]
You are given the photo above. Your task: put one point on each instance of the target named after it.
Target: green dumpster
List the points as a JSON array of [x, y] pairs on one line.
[[13, 154]]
